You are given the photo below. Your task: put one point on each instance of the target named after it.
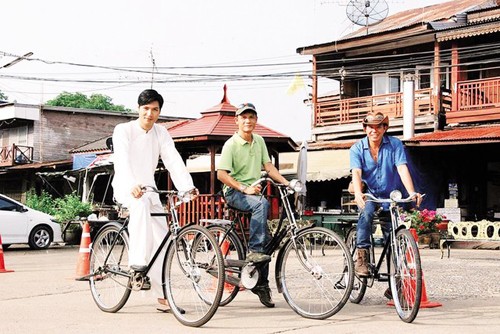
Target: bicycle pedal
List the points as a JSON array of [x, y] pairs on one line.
[[340, 285], [146, 285]]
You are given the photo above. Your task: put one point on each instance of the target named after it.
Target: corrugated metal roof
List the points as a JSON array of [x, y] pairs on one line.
[[468, 32], [457, 136], [415, 21], [424, 15], [39, 165], [330, 145]]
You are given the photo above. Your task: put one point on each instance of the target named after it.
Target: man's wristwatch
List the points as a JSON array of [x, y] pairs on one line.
[[242, 188]]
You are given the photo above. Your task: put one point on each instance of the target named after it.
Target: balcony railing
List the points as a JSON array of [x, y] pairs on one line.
[[478, 94], [15, 154], [207, 206], [334, 111], [203, 207]]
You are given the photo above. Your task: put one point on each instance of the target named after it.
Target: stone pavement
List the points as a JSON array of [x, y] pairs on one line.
[[42, 296]]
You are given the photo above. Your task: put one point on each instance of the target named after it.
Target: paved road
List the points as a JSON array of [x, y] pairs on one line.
[[41, 296]]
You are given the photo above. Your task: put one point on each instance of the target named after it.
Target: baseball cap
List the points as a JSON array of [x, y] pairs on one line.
[[245, 107]]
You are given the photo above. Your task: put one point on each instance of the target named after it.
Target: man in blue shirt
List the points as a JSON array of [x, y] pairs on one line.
[[378, 162]]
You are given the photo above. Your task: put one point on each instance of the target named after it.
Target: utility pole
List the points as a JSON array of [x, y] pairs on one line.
[[17, 60]]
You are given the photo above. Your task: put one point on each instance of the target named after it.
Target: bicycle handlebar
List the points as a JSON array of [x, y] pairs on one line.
[[390, 200], [293, 186], [184, 196]]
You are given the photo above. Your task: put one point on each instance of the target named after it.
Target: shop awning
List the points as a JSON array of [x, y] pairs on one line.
[[321, 165]]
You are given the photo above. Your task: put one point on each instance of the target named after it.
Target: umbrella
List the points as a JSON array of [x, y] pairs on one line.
[[300, 197]]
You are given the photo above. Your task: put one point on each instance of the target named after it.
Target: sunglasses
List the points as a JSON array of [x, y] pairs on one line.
[[246, 105]]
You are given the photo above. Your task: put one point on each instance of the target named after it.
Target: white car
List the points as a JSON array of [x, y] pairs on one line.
[[22, 225]]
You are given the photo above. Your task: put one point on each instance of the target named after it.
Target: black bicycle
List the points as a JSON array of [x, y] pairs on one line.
[[191, 266], [400, 252], [314, 269]]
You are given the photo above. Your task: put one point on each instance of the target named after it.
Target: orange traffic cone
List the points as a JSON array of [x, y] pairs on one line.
[[424, 302], [2, 263], [83, 264], [224, 247]]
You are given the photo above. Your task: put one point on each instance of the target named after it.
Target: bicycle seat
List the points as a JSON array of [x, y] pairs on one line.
[[236, 209], [230, 207]]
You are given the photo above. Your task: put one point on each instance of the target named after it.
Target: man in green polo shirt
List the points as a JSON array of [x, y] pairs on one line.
[[242, 159]]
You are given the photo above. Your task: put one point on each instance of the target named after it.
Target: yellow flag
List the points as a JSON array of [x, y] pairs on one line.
[[296, 84]]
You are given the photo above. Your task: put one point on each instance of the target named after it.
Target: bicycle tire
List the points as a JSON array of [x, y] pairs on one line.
[[110, 281], [193, 275], [312, 273], [406, 276], [360, 283], [231, 248]]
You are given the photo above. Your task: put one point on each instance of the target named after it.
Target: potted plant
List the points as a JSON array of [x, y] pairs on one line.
[[65, 210], [425, 223], [69, 210]]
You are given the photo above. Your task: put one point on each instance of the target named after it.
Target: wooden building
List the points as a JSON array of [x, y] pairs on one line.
[[449, 54]]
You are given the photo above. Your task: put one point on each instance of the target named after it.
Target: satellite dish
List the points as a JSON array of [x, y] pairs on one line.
[[367, 12]]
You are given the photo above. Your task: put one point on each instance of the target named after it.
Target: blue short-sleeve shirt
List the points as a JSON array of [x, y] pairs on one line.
[[381, 177]]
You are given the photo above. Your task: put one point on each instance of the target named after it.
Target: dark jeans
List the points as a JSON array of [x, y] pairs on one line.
[[259, 234]]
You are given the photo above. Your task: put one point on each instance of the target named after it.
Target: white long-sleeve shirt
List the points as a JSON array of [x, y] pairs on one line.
[[136, 155]]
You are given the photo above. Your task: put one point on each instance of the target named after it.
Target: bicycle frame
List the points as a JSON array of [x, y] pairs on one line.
[[281, 233], [173, 230], [404, 271], [388, 245]]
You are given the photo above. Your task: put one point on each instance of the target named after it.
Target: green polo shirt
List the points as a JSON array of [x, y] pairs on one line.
[[244, 160]]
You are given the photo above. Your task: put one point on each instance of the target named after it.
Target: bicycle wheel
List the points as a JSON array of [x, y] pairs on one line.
[[406, 276], [232, 249], [360, 283], [109, 275], [313, 274], [193, 275]]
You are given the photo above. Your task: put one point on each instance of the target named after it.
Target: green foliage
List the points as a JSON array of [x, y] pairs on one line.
[[70, 207], [3, 96], [79, 100], [63, 209], [43, 202]]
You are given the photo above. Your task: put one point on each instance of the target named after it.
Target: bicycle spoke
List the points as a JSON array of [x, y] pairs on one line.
[[406, 276], [192, 288], [109, 279], [311, 271]]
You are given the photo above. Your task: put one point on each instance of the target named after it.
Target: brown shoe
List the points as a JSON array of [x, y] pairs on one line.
[[361, 267]]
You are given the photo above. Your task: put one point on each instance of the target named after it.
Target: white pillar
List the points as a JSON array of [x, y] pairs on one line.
[[408, 107]]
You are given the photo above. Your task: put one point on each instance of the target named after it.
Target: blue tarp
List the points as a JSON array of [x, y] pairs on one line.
[[83, 160]]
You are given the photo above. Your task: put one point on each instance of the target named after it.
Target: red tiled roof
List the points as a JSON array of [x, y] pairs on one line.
[[457, 136], [217, 121], [216, 125]]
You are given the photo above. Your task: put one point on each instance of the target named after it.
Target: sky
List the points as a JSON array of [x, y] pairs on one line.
[[185, 49]]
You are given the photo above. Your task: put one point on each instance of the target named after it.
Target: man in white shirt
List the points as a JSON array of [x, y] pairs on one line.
[[137, 146]]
